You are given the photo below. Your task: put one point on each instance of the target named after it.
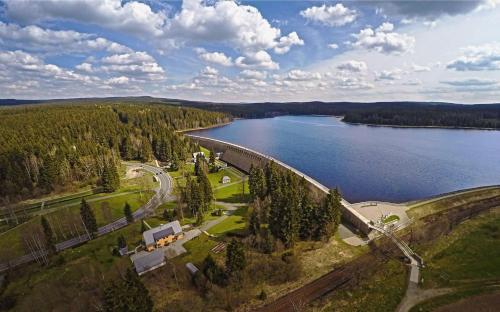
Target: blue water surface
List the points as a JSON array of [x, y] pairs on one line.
[[373, 163]]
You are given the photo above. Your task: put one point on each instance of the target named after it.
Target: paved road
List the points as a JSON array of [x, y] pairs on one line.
[[163, 194]]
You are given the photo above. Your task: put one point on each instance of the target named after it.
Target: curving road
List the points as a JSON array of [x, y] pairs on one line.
[[163, 194]]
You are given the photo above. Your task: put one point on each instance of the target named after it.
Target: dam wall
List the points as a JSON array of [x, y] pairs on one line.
[[243, 158]]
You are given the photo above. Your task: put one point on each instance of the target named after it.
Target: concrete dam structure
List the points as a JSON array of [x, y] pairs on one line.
[[243, 158]]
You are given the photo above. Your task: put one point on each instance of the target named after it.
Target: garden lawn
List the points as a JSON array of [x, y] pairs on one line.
[[234, 222]]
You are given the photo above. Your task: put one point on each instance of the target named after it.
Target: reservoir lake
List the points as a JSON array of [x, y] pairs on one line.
[[373, 163]]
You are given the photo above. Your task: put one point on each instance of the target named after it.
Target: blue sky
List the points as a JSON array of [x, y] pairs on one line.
[[252, 50]]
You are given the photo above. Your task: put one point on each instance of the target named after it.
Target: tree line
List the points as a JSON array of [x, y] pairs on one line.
[[49, 147], [380, 113]]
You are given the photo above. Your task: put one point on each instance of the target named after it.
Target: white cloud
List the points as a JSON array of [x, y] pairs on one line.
[[384, 40], [34, 38], [19, 65], [118, 80], [333, 46], [471, 82], [478, 58], [253, 74], [215, 57], [353, 66], [337, 15], [300, 75], [241, 26], [85, 67], [209, 72], [140, 65], [260, 59], [419, 68], [131, 17], [285, 43], [389, 74]]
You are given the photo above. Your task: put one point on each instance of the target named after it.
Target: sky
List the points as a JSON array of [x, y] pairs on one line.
[[252, 51]]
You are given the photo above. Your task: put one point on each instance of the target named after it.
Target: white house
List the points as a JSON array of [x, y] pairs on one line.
[[162, 235]]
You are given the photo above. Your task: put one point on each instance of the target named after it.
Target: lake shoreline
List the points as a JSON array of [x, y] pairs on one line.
[[205, 128]]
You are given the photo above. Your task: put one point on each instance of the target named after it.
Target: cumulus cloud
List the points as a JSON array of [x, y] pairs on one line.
[[118, 80], [34, 38], [389, 74], [431, 9], [333, 46], [420, 68], [253, 74], [209, 72], [85, 67], [301, 75], [215, 57], [384, 40], [20, 65], [478, 58], [286, 42], [241, 26], [131, 17], [470, 82], [260, 59], [353, 66], [337, 15], [140, 65]]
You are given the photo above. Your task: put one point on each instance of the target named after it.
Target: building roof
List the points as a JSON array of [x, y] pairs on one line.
[[154, 234], [149, 261], [192, 268]]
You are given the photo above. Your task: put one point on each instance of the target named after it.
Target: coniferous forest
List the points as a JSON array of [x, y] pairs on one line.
[[47, 147]]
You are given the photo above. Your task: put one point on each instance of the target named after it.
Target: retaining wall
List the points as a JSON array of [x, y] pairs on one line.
[[243, 158]]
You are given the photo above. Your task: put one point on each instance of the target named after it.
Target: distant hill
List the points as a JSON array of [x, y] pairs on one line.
[[415, 114]]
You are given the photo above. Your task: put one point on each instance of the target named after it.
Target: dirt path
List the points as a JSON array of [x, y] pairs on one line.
[[481, 303], [415, 295]]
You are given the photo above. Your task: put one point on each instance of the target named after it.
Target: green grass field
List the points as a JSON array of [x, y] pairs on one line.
[[380, 292], [426, 207], [197, 249], [66, 211], [470, 253], [234, 222], [75, 275]]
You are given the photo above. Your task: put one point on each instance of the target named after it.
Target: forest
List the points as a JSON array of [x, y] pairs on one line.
[[48, 147], [415, 114]]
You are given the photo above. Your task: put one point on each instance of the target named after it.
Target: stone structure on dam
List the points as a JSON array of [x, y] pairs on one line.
[[242, 158]]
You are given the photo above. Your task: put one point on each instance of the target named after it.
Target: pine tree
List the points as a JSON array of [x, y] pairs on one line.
[[254, 223], [307, 222], [235, 257], [267, 241], [49, 236], [128, 295], [48, 173], [88, 218], [206, 190], [167, 216], [127, 211], [110, 179], [213, 272], [211, 160]]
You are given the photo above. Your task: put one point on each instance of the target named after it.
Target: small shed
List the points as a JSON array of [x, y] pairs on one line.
[[191, 268], [226, 179]]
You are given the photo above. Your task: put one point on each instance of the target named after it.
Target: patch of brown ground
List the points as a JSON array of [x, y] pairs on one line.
[[481, 303]]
